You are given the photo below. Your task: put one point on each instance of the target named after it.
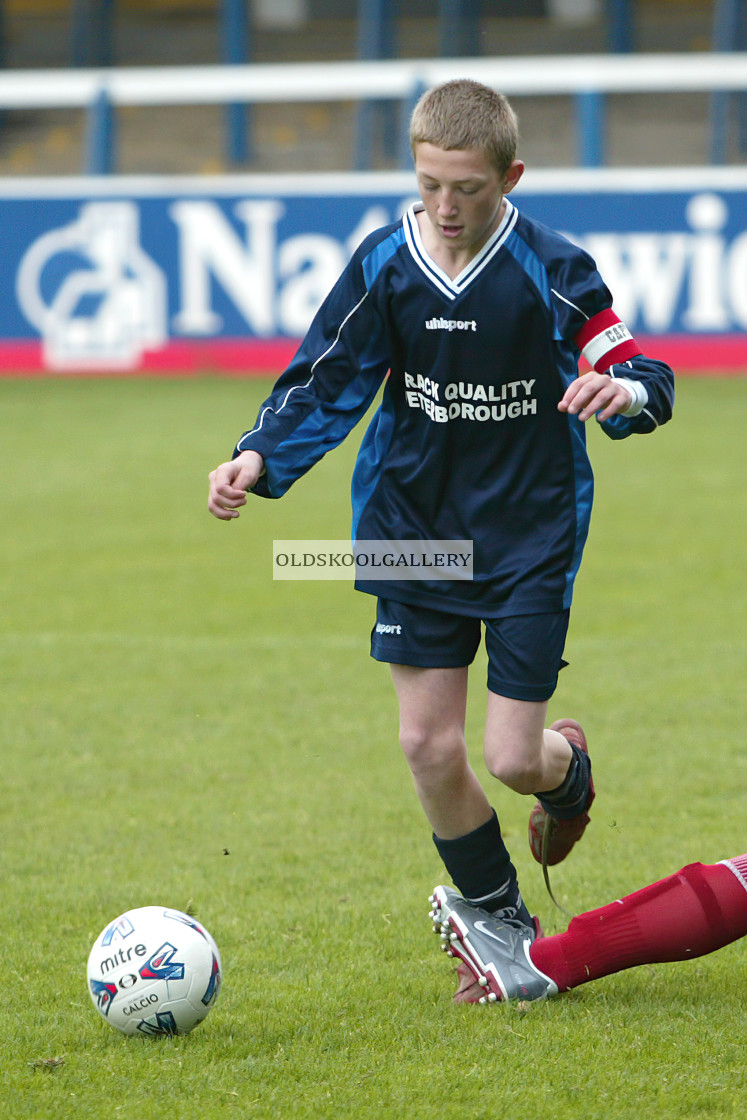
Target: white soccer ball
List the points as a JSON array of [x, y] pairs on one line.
[[154, 971]]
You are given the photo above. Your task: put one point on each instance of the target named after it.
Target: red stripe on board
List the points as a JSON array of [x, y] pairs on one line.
[[723, 355], [699, 354], [696, 355], [20, 357], [251, 356], [244, 357]]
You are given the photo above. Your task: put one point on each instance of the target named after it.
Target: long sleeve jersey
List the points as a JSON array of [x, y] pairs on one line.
[[468, 442]]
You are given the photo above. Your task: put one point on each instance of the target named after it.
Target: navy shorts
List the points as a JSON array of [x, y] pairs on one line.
[[525, 652]]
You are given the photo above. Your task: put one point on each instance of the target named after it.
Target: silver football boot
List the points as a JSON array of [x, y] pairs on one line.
[[494, 948]]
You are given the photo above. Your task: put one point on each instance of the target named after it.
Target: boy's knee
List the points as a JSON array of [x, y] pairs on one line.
[[520, 772], [426, 748]]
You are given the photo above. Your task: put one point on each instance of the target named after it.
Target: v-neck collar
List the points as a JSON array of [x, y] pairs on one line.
[[445, 284]]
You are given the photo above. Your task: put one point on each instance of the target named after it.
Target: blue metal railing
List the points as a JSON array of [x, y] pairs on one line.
[[590, 80], [382, 121], [729, 34], [236, 34]]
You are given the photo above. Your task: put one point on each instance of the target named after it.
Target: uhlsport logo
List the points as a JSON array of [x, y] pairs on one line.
[[388, 628], [92, 292], [439, 324]]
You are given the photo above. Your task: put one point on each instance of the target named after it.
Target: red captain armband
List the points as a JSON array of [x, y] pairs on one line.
[[604, 340]]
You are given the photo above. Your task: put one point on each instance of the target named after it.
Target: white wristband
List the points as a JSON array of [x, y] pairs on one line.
[[638, 395]]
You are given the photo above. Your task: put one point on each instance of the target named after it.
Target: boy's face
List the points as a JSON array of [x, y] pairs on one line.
[[462, 192]]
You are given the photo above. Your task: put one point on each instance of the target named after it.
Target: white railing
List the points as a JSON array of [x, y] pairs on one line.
[[587, 77]]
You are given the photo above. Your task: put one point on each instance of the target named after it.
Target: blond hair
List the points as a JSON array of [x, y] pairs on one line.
[[465, 114]]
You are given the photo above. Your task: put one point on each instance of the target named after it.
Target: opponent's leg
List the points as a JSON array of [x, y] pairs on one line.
[[696, 911]]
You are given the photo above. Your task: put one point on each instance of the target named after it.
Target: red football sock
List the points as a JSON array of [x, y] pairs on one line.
[[699, 909]]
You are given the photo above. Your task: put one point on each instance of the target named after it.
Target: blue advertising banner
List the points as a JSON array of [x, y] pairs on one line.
[[106, 275]]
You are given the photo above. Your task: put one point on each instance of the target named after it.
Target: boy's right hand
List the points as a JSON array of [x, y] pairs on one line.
[[229, 483]]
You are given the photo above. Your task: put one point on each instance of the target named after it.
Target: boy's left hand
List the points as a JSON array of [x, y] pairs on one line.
[[593, 393]]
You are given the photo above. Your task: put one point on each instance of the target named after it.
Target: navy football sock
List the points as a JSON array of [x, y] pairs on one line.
[[481, 869], [571, 796]]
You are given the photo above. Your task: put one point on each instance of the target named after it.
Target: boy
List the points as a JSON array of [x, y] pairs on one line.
[[479, 315]]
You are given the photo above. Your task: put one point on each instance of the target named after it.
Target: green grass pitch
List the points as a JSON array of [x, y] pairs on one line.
[[178, 729]]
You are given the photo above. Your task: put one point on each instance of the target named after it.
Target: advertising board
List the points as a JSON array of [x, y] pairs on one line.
[[224, 274]]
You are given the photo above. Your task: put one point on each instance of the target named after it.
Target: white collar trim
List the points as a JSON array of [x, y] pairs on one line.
[[445, 284]]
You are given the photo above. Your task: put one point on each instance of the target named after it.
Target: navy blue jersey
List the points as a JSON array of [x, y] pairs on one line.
[[468, 443]]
